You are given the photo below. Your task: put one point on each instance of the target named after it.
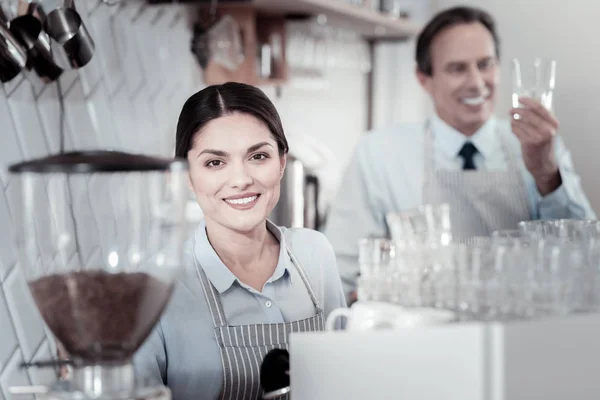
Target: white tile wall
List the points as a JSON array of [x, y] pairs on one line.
[[14, 376], [30, 131], [123, 99], [8, 336], [49, 110], [10, 150], [6, 256]]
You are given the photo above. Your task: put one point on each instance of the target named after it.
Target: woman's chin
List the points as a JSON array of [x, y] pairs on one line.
[[246, 223]]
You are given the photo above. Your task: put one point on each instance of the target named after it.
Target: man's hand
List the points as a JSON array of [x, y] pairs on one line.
[[536, 129]]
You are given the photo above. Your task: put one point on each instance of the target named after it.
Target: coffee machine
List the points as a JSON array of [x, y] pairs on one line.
[[101, 287]]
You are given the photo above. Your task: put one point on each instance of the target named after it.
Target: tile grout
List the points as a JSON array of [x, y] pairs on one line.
[[13, 90], [4, 369]]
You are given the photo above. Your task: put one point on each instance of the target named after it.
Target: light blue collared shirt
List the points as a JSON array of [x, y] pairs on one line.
[[385, 175], [182, 351]]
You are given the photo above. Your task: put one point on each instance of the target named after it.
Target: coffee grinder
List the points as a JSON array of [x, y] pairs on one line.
[[100, 243]]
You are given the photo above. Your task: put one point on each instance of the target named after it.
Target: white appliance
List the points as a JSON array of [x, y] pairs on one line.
[[553, 359]]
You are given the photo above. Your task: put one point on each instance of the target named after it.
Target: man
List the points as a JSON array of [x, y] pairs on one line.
[[491, 172]]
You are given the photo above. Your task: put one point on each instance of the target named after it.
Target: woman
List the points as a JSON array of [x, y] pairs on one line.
[[248, 283]]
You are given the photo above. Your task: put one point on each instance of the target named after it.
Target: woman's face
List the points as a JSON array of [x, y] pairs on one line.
[[235, 171]]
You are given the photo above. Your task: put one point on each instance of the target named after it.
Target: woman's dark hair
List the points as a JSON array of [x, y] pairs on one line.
[[445, 19], [218, 100]]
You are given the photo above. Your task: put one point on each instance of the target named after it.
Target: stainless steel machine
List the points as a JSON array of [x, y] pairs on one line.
[[299, 201]]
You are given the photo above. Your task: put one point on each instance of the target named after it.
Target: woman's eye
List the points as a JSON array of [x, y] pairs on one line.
[[214, 163], [260, 156]]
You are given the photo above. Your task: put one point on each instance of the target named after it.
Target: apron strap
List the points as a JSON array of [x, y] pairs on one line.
[[305, 279], [215, 306]]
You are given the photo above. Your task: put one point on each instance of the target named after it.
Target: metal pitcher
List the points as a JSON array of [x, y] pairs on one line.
[[28, 30], [75, 46], [13, 57]]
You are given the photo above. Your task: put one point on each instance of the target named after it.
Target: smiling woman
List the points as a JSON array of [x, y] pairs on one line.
[[248, 283], [235, 166]]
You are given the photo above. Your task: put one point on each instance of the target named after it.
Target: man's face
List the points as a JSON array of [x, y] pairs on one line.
[[464, 76]]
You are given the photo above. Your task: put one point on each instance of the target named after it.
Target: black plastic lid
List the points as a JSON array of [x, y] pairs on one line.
[[97, 161]]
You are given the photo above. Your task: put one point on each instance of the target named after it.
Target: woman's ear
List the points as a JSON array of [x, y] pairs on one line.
[[283, 162]]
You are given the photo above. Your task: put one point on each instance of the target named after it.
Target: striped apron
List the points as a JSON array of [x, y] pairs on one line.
[[243, 347], [480, 201]]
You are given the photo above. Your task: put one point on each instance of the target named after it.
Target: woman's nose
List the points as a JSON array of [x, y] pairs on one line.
[[240, 176]]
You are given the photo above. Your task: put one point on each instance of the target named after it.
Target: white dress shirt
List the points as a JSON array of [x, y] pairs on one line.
[[385, 174], [182, 351]]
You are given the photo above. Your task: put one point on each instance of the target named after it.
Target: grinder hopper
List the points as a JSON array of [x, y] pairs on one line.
[[100, 244]]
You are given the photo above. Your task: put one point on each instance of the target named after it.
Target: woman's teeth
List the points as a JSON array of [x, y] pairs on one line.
[[244, 200]]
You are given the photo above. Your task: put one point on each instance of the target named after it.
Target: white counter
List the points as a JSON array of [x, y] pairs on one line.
[[554, 359]]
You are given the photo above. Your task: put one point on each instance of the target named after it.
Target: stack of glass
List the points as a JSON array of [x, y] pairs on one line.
[[539, 269], [401, 270]]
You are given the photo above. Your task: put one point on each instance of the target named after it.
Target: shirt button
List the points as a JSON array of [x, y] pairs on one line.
[[268, 304]]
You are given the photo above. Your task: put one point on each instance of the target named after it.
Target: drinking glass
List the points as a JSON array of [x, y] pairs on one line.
[[411, 280], [535, 79], [375, 257], [495, 278], [474, 270], [424, 225], [561, 277], [565, 229]]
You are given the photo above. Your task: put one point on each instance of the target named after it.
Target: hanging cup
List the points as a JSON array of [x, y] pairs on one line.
[[28, 30], [13, 57], [74, 45]]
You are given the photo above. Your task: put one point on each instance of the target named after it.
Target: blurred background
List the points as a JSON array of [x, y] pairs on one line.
[[335, 69]]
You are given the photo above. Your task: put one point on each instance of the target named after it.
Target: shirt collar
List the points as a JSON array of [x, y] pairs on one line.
[[219, 275], [450, 141]]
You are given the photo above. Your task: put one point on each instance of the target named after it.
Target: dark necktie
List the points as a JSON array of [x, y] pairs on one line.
[[467, 152]]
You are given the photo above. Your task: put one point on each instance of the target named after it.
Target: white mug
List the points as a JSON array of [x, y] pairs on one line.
[[372, 315]]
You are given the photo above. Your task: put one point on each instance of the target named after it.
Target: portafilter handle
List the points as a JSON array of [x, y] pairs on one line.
[[275, 374], [275, 394]]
